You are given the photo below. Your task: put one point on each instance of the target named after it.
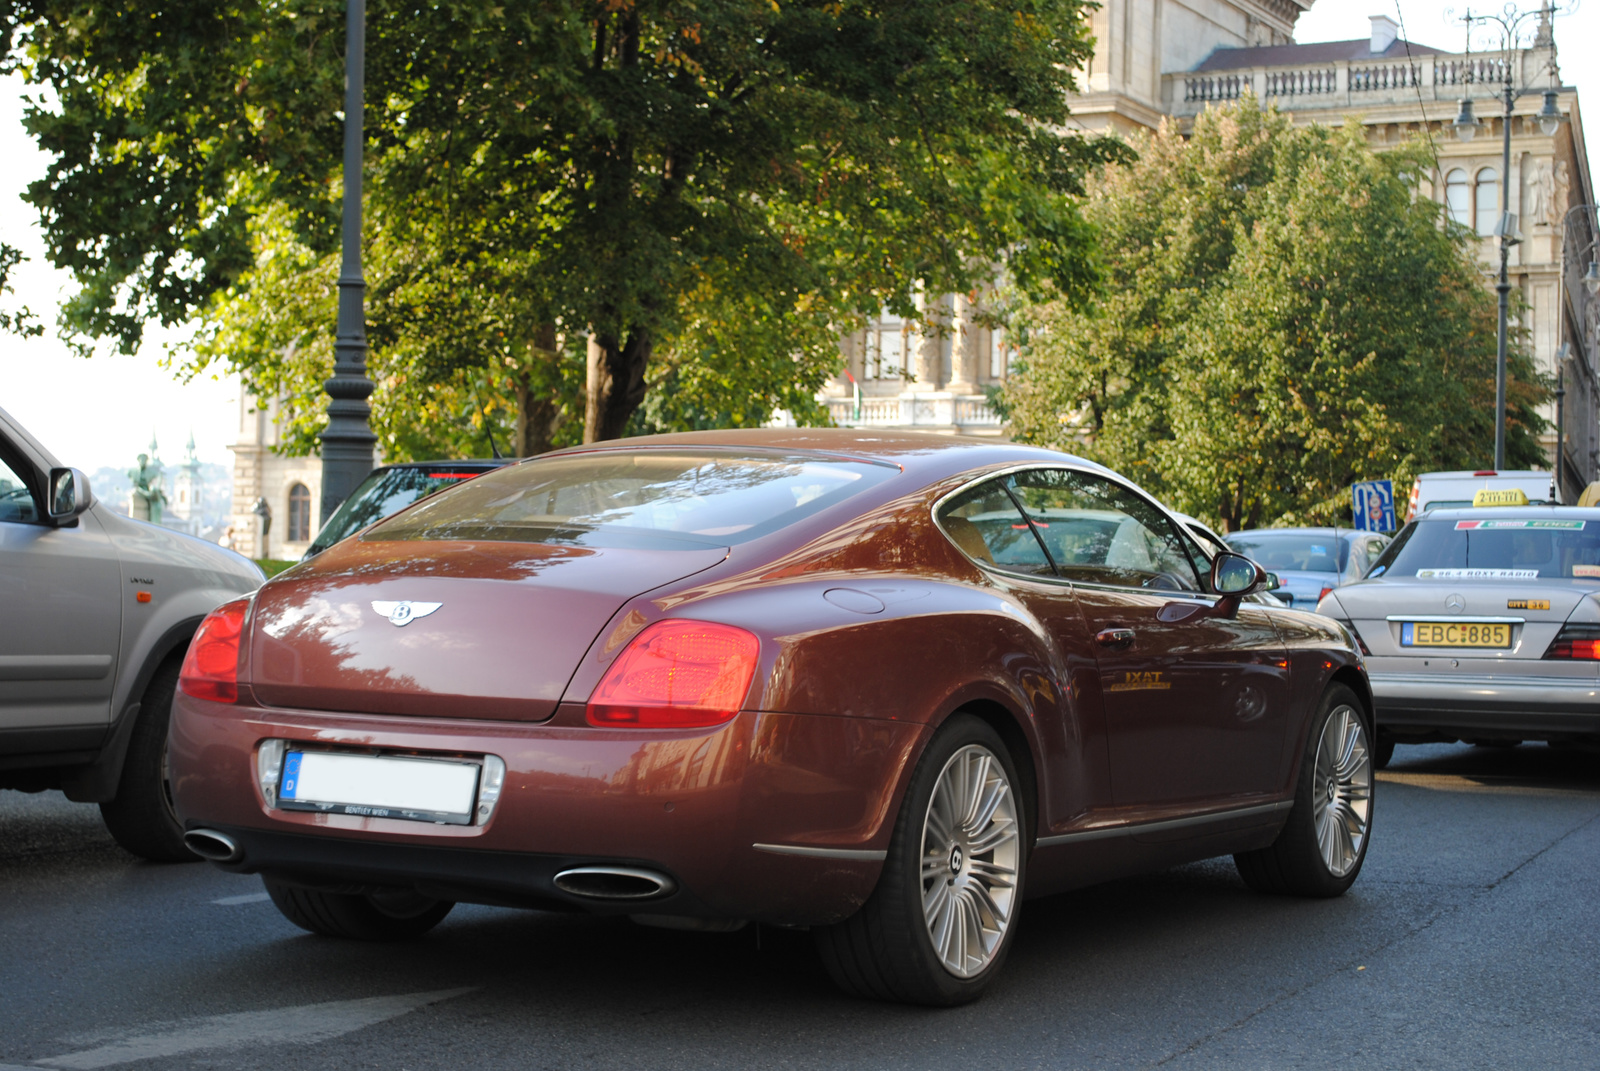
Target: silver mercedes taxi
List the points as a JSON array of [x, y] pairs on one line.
[[1482, 624]]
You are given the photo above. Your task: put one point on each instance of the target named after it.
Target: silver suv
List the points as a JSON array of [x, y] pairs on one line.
[[96, 612]]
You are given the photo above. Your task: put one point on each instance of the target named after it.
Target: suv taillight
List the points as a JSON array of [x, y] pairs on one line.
[[1576, 641], [677, 675], [211, 668]]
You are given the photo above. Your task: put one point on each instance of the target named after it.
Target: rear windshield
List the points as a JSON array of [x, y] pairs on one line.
[[1532, 549], [386, 492], [1294, 551], [649, 498]]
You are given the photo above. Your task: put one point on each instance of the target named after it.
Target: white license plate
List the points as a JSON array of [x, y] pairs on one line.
[[379, 786]]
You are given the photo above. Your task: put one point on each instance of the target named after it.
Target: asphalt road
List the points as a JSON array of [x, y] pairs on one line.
[[1471, 940]]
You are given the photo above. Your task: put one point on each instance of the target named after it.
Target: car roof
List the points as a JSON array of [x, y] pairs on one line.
[[1483, 474], [1503, 513], [469, 463], [923, 455], [1301, 531]]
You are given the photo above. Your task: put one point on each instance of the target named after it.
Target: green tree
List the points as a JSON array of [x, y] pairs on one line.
[[1284, 314], [648, 172], [22, 321]]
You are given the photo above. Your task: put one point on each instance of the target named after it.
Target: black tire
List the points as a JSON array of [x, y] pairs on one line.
[[141, 817], [1294, 864], [1383, 754], [885, 950], [396, 916]]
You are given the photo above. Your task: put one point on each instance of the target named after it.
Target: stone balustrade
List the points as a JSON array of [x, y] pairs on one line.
[[938, 410], [1336, 83]]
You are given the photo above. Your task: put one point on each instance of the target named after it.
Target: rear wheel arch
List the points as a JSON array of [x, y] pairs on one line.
[[1022, 747]]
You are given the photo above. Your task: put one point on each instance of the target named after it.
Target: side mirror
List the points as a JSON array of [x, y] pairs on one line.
[[1273, 583], [69, 495], [1234, 574]]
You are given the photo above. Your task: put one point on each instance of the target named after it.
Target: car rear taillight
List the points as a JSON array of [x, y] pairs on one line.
[[1576, 641], [1361, 644], [211, 668], [677, 675], [1323, 594]]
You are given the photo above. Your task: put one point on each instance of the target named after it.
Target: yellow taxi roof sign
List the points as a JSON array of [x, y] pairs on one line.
[[1509, 497]]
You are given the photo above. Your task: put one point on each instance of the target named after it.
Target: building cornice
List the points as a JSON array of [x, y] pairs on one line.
[[1281, 14]]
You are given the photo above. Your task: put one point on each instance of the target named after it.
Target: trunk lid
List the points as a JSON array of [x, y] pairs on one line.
[[1303, 588], [493, 630], [1535, 611]]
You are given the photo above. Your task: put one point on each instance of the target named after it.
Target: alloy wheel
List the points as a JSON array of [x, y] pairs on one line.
[[1341, 794], [970, 852]]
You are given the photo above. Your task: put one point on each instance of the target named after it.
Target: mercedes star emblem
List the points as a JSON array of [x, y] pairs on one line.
[[405, 611], [1454, 603]]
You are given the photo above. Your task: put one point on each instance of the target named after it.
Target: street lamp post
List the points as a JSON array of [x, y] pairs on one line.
[[347, 440], [1506, 229]]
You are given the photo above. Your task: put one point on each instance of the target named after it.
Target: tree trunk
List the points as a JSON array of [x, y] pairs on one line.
[[616, 384], [539, 414], [596, 385]]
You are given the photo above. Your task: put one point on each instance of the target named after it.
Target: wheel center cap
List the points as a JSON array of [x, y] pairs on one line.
[[956, 859], [1333, 790]]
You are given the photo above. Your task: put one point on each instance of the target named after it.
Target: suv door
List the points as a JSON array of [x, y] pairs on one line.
[[61, 621], [1196, 703]]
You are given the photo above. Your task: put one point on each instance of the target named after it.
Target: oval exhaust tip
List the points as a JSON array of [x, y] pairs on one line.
[[212, 845], [613, 883]]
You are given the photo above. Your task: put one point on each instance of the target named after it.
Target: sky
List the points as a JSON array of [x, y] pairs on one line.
[[101, 410], [104, 410]]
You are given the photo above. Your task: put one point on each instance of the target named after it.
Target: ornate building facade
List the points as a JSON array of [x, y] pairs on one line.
[[273, 513], [1161, 60]]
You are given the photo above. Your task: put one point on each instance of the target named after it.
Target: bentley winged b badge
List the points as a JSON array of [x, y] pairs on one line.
[[405, 611]]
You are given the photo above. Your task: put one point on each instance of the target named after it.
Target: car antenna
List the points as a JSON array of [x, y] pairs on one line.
[[488, 430]]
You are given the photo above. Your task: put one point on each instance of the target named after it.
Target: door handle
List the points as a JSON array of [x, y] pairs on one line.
[[1114, 637]]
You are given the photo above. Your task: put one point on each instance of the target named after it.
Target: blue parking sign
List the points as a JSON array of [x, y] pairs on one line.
[[1374, 505]]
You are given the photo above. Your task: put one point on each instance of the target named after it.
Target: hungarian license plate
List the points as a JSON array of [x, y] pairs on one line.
[[1454, 634], [379, 786]]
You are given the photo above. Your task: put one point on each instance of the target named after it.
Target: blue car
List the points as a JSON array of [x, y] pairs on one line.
[[1309, 562]]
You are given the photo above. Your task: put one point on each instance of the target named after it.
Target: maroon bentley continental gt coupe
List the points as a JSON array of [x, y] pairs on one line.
[[882, 686]]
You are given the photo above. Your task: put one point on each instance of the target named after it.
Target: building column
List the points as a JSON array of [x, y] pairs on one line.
[[964, 348], [929, 340]]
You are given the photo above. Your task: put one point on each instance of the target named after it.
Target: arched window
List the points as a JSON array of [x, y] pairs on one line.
[[1458, 197], [299, 514], [1488, 198]]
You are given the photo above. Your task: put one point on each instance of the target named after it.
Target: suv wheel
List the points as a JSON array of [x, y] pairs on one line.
[[141, 817]]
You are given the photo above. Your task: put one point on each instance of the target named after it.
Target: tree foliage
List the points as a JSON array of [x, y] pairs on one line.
[[1284, 314], [681, 179], [21, 321]]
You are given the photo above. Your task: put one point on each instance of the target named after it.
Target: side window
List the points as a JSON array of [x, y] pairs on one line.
[[983, 521], [16, 501], [1099, 532]]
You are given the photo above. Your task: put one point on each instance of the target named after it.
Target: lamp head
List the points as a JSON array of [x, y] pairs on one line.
[[1591, 278], [1550, 117], [1466, 125]]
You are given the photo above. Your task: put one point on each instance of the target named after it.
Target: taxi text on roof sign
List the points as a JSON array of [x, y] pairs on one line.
[[1509, 497]]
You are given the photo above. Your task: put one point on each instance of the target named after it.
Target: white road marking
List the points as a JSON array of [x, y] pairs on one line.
[[230, 901], [280, 1026]]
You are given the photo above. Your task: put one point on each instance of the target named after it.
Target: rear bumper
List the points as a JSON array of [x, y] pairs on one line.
[[1536, 706], [691, 804]]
